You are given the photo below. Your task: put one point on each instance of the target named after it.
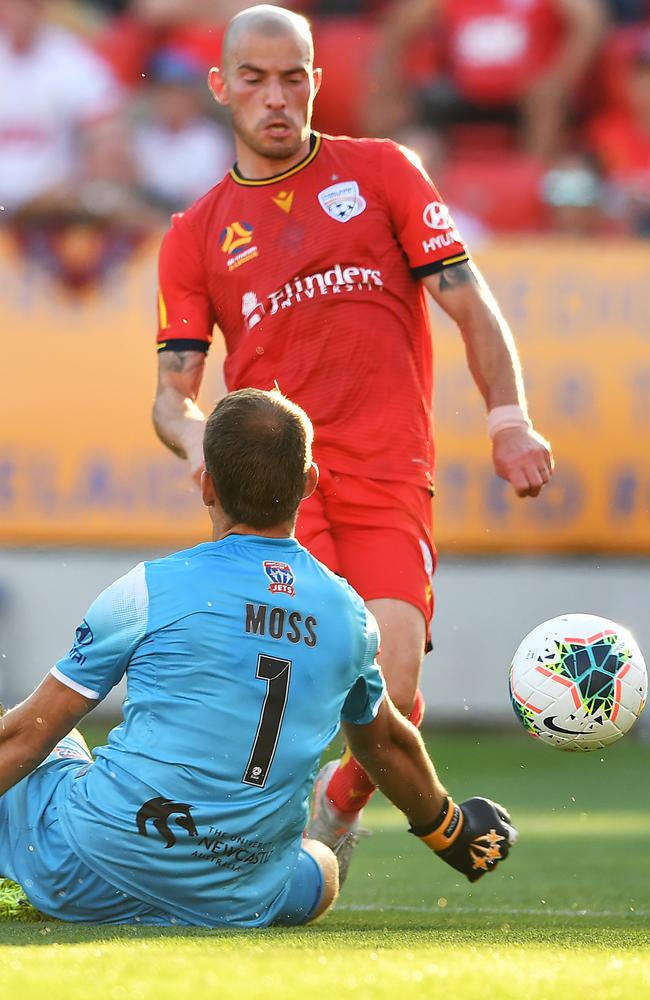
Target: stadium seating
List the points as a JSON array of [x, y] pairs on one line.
[[500, 188], [345, 90]]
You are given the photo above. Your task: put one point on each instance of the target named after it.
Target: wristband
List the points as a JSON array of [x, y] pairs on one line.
[[446, 831], [502, 417]]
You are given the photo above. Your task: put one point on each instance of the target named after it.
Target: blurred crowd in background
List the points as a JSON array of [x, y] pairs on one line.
[[532, 116]]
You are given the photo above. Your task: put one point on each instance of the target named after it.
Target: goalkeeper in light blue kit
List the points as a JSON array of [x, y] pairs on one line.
[[243, 656]]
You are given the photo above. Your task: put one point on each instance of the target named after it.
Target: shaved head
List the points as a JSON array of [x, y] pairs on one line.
[[270, 22], [268, 82]]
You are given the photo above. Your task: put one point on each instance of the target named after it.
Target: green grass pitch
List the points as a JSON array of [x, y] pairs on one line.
[[567, 917]]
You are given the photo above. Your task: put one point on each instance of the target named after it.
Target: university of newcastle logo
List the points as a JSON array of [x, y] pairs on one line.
[[161, 810]]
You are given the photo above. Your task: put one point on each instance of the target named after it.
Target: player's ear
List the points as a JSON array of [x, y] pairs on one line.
[[312, 480], [208, 492], [318, 79], [217, 85]]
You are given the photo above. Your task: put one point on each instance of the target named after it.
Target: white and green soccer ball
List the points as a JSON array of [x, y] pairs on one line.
[[578, 682]]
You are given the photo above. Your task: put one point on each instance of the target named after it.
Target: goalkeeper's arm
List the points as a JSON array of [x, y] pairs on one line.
[[472, 837]]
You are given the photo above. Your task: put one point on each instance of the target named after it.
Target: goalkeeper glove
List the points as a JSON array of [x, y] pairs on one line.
[[472, 837]]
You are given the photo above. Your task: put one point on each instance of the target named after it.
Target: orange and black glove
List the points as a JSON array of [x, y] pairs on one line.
[[472, 837]]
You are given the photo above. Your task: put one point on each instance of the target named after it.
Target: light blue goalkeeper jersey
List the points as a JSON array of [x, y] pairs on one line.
[[241, 658]]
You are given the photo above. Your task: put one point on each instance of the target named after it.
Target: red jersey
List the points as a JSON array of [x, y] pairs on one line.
[[312, 276]]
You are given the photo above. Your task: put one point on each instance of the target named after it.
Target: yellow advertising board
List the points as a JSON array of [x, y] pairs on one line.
[[580, 313], [80, 464]]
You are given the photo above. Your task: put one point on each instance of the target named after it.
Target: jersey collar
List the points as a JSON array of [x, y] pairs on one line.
[[315, 141]]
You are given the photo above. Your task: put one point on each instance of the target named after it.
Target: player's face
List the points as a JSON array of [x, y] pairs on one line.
[[269, 85]]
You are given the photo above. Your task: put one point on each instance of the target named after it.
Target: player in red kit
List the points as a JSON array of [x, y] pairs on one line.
[[312, 256]]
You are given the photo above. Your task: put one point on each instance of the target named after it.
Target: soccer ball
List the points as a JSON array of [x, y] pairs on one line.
[[578, 682]]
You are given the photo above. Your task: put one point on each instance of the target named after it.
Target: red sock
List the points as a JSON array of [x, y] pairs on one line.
[[350, 788]]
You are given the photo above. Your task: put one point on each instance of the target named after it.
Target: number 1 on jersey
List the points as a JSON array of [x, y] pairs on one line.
[[277, 673]]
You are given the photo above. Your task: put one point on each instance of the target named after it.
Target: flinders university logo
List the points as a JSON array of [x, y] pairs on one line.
[[251, 309], [281, 577], [236, 240], [342, 201]]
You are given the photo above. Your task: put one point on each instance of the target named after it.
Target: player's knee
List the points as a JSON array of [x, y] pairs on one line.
[[401, 669], [76, 735], [329, 866], [403, 697], [403, 634]]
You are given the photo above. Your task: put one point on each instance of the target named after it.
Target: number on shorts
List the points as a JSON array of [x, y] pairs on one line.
[[277, 673]]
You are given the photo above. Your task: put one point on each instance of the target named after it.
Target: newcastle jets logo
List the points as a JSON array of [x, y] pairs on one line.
[[281, 577], [342, 201]]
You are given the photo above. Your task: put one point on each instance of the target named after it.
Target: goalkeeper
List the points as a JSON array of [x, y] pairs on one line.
[[243, 656]]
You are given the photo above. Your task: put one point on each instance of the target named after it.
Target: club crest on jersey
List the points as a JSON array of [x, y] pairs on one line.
[[281, 577], [342, 201], [236, 241]]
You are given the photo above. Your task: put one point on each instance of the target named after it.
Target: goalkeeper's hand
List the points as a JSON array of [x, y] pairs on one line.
[[472, 837]]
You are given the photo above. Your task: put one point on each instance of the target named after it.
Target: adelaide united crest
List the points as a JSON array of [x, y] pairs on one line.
[[281, 576], [342, 201]]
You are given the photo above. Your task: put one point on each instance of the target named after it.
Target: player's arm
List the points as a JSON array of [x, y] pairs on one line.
[[520, 454], [402, 21], [32, 729], [438, 257], [473, 837], [586, 25], [398, 24], [185, 323], [178, 420], [114, 625], [391, 750], [547, 97]]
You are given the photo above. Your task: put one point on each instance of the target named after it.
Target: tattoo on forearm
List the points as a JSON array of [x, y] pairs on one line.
[[180, 361], [455, 276]]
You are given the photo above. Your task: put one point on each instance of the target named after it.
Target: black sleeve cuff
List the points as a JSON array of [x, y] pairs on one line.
[[184, 345], [439, 265]]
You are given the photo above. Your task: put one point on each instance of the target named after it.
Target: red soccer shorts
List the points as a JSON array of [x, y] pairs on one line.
[[376, 533]]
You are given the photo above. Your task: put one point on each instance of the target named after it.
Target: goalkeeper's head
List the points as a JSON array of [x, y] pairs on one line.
[[258, 462]]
